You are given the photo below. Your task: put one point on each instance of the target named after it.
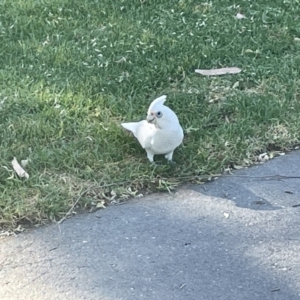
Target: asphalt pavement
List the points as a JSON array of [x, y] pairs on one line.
[[236, 238]]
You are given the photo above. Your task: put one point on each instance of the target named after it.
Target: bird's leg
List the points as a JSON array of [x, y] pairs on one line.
[[150, 155], [169, 156]]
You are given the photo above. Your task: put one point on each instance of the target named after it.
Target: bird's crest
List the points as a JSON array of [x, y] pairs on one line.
[[158, 101]]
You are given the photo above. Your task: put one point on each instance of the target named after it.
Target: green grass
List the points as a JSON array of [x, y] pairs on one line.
[[72, 71]]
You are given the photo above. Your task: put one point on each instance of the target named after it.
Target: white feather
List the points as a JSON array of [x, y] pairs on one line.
[[163, 135], [157, 102]]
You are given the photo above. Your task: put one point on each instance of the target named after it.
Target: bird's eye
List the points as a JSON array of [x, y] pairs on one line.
[[159, 114]]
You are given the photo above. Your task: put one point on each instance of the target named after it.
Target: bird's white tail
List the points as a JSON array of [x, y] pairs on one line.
[[132, 126]]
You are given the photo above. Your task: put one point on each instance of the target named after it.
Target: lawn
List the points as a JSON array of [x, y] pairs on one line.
[[72, 71]]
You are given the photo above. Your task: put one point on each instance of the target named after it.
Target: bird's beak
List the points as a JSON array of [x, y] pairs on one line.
[[150, 118]]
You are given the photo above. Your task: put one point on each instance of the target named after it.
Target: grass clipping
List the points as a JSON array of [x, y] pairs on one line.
[[18, 169]]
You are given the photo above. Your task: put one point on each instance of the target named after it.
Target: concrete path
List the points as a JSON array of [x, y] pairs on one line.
[[236, 238]]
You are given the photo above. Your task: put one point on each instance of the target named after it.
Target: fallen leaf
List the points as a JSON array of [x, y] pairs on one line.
[[236, 167], [191, 129], [221, 71], [100, 204], [240, 16], [228, 170], [121, 60], [113, 194], [139, 196], [18, 169], [236, 85], [24, 162], [11, 171], [19, 229], [263, 157]]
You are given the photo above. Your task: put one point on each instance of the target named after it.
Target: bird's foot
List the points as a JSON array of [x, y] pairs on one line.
[[156, 164]]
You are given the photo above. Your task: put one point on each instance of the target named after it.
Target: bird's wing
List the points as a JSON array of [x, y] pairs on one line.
[[145, 134], [142, 130]]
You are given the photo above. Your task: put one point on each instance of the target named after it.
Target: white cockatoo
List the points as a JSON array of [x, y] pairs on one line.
[[160, 133]]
